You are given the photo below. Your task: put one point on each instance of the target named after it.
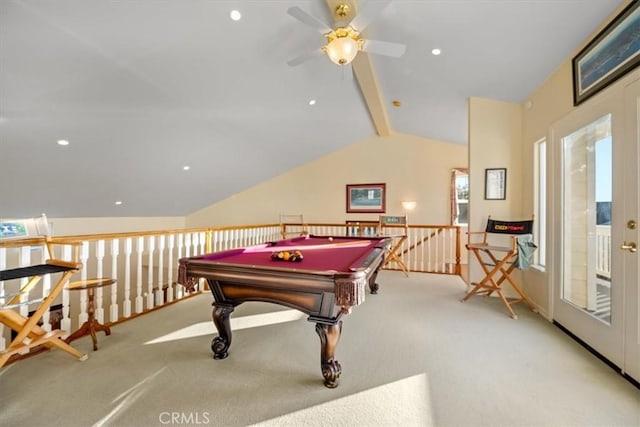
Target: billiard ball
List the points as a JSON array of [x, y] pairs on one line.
[[331, 239]]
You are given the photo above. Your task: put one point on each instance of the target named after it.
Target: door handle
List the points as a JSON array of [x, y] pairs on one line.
[[631, 246]]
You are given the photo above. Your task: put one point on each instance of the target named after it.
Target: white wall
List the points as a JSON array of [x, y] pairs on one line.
[[413, 169]]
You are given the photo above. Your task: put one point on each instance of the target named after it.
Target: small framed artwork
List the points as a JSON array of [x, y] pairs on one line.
[[366, 198], [610, 55], [495, 184]]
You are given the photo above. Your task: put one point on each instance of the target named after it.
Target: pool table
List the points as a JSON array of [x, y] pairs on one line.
[[329, 279]]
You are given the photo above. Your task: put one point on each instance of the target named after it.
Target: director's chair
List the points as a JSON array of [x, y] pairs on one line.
[[387, 226], [28, 334], [499, 259], [292, 224]]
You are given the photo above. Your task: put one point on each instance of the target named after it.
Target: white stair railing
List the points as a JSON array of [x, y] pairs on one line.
[[145, 264]]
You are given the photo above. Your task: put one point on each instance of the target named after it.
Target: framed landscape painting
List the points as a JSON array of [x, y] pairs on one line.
[[366, 198], [610, 55]]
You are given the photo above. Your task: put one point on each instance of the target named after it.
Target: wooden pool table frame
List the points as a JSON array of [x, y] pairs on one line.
[[325, 296]]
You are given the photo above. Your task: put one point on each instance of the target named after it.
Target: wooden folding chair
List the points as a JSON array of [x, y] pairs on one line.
[[28, 334], [499, 261], [388, 227]]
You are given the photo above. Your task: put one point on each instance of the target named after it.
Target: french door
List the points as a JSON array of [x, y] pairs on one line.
[[595, 212], [631, 234]]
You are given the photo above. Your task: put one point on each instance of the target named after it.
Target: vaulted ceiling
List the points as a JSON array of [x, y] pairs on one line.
[[142, 88]]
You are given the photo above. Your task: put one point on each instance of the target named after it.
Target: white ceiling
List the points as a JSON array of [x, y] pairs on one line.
[[142, 88]]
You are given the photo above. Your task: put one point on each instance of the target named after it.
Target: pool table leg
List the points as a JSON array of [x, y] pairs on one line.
[[220, 344], [373, 286], [329, 337]]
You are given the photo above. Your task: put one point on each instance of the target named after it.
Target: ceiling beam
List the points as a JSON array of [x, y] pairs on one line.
[[365, 75]]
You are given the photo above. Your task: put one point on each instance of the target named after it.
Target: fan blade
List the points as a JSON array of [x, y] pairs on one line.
[[309, 20], [377, 47], [305, 57], [368, 13]]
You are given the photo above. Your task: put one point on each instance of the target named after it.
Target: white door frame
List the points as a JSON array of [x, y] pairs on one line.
[[606, 339], [631, 365]]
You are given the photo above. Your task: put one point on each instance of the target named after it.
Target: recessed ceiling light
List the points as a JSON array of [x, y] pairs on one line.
[[312, 102], [63, 142], [235, 15], [186, 168], [436, 51], [118, 203]]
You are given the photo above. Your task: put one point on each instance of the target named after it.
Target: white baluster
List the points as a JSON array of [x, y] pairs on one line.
[[180, 289], [429, 251], [195, 239], [126, 305], [65, 323], [421, 234], [24, 259], [139, 251], [187, 245], [452, 251], [3, 266], [84, 256], [215, 239], [149, 293], [46, 289], [438, 251], [99, 308], [172, 239], [115, 250], [159, 295]]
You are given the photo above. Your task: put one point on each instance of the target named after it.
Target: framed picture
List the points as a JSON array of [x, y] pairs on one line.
[[366, 198], [610, 55], [495, 184]]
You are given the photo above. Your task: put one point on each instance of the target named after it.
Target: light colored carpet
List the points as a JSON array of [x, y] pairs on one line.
[[413, 355]]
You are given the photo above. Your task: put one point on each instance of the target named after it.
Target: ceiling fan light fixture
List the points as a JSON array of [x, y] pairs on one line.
[[342, 50]]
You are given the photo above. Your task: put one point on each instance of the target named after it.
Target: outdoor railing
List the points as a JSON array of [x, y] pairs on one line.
[[603, 251], [145, 264]]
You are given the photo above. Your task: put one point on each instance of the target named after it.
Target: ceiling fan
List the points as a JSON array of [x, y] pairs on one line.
[[344, 41]]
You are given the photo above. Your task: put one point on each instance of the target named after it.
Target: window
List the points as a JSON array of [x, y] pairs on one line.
[[460, 197], [540, 201]]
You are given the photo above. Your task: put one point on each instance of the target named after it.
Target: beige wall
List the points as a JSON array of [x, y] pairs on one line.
[[413, 169], [548, 104], [74, 226], [495, 133]]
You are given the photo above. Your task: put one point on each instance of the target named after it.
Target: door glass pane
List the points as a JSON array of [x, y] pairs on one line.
[[540, 202], [587, 204]]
